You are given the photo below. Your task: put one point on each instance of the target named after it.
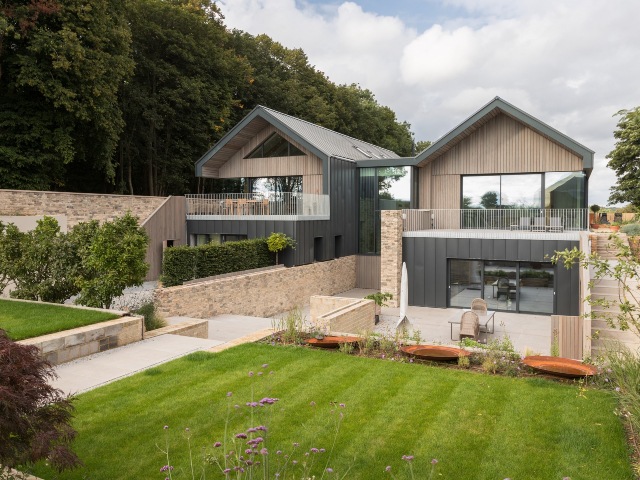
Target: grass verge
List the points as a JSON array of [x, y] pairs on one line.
[[23, 320], [477, 426]]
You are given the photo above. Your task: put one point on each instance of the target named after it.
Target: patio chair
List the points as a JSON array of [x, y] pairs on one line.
[[243, 206], [503, 287], [479, 306], [469, 325], [264, 206], [555, 225], [539, 224], [525, 224], [229, 207]]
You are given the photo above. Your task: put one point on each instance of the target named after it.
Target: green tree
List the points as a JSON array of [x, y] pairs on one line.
[[624, 158], [277, 242], [43, 262], [489, 200], [182, 96], [422, 145], [115, 260], [61, 65]]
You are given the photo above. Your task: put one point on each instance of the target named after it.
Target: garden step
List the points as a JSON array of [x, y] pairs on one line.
[[605, 290]]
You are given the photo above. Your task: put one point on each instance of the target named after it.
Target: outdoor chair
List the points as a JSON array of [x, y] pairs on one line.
[[479, 306], [242, 206], [555, 225], [228, 206], [503, 287], [539, 224], [264, 207], [525, 224], [469, 325]]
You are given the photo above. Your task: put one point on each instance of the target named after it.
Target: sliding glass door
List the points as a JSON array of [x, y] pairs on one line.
[[505, 285]]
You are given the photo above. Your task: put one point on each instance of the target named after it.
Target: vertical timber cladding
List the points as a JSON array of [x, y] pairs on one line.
[[427, 260]]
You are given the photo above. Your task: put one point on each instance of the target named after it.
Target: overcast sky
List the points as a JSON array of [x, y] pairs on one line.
[[571, 64]]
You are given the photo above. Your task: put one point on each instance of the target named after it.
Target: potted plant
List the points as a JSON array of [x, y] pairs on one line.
[[380, 299], [595, 209], [615, 227]]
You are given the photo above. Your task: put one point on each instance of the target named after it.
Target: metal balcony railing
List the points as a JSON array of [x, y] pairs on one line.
[[522, 219], [233, 204]]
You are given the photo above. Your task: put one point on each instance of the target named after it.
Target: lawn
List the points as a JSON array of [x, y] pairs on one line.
[[477, 426], [27, 320]]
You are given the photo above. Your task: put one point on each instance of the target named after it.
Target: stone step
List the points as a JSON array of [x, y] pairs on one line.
[[605, 290], [605, 282]]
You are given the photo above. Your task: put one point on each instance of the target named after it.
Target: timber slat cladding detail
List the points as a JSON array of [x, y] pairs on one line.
[[501, 145], [368, 271], [237, 166], [569, 331], [504, 145]]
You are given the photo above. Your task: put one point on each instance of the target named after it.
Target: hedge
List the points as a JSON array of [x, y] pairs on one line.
[[183, 263]]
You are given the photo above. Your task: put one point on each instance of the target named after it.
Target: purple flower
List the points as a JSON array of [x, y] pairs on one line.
[[407, 458], [186, 429], [388, 469], [251, 374], [259, 373], [322, 450], [329, 470], [166, 468], [236, 406], [295, 462], [248, 451], [241, 435], [217, 444], [166, 427], [263, 451], [342, 405], [229, 394], [617, 389], [265, 365], [296, 444], [313, 404], [434, 461], [314, 450], [278, 452], [226, 471]]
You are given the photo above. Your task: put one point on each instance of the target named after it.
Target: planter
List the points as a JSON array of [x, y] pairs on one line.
[[594, 226], [614, 228], [435, 353], [331, 341], [560, 367]]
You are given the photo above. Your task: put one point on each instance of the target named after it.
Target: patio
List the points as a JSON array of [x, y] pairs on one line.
[[527, 332]]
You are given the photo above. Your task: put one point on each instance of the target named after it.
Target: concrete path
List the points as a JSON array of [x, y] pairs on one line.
[[225, 331]]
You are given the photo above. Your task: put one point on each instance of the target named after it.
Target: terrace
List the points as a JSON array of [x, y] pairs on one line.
[[540, 221], [258, 206]]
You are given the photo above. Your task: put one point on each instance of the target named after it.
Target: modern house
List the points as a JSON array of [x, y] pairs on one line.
[[483, 208]]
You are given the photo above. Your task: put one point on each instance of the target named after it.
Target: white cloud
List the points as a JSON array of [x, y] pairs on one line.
[[572, 64]]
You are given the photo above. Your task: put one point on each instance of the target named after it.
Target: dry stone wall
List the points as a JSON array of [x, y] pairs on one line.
[[77, 207], [260, 294]]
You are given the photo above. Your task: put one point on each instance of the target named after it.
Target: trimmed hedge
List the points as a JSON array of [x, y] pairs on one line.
[[184, 263]]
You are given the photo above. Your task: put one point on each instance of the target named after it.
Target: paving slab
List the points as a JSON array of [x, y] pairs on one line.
[[98, 369], [227, 328]]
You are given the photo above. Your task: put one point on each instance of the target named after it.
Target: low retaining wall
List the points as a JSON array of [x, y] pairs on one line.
[[342, 315], [79, 342], [77, 207], [259, 294], [193, 328]]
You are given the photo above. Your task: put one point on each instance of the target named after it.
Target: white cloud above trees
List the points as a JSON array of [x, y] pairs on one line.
[[572, 64]]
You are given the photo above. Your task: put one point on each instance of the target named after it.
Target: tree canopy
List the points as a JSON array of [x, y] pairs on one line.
[[124, 97], [624, 159]]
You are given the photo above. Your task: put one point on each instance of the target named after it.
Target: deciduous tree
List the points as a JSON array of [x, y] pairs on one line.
[[624, 159]]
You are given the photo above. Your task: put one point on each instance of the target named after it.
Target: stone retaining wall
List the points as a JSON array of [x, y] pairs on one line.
[[79, 342], [260, 294], [193, 328], [77, 207], [342, 315]]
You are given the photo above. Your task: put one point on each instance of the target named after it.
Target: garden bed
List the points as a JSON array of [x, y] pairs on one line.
[[475, 426]]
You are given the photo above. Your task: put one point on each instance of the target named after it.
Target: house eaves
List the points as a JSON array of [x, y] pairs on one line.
[[491, 110]]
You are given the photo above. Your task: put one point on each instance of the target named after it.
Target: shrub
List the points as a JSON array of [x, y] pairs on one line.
[[183, 263], [152, 320], [34, 416], [278, 242], [632, 229]]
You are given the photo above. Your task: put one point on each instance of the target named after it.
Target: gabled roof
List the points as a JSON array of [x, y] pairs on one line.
[[320, 141], [491, 110]]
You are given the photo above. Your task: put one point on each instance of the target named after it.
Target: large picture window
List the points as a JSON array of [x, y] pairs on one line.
[[275, 146], [523, 287]]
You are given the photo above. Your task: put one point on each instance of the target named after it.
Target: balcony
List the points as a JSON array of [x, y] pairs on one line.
[[257, 206], [534, 222]]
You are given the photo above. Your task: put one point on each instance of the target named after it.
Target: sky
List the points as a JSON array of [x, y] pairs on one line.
[[571, 64]]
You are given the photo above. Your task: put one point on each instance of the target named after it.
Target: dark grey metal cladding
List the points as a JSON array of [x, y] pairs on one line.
[[344, 206], [427, 259]]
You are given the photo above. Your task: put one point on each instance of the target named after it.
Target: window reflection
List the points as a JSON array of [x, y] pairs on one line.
[[564, 190]]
